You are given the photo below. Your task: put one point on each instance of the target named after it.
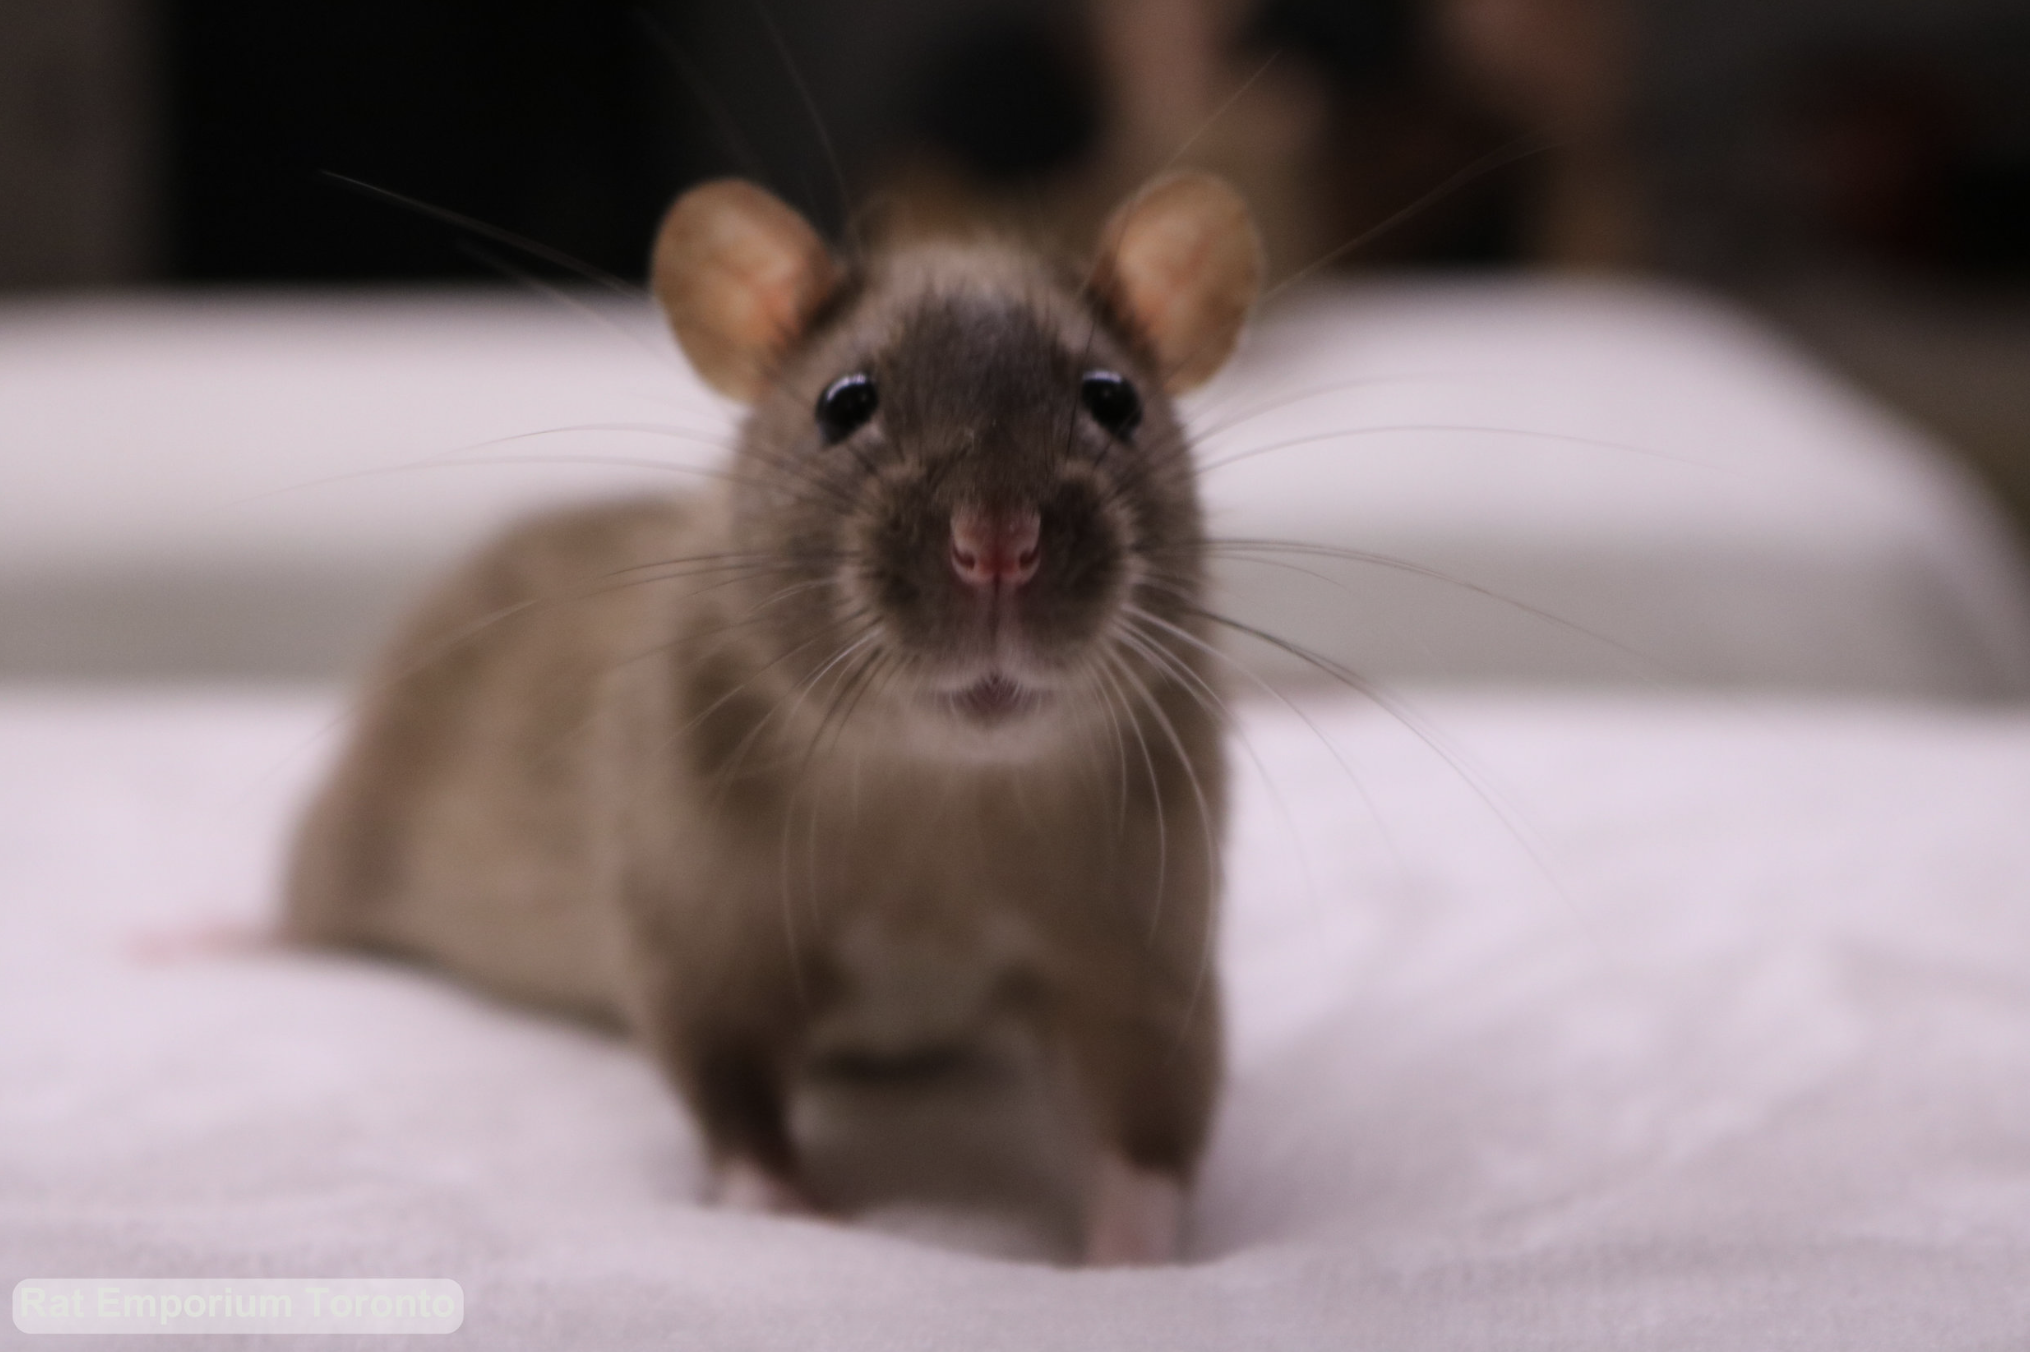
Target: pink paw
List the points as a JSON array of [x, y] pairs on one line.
[[1134, 1215], [743, 1185]]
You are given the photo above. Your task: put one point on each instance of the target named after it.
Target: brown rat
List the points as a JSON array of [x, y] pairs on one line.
[[899, 739]]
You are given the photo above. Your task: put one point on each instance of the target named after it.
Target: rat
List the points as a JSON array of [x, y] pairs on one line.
[[900, 737]]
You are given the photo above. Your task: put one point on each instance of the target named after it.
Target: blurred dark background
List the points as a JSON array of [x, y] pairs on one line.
[[1858, 169]]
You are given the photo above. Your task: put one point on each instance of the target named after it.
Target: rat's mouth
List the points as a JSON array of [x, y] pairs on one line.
[[994, 698]]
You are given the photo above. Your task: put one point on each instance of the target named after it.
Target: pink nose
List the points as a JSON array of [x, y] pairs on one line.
[[990, 548]]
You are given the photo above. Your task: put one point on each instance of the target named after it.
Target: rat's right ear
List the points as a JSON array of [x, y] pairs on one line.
[[738, 275]]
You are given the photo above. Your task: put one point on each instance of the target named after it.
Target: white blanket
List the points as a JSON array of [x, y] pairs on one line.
[[1667, 1025], [1609, 482]]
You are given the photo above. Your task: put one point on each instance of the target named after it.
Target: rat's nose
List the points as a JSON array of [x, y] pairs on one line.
[[995, 547]]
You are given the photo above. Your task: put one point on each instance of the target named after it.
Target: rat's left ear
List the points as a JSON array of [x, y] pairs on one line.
[[1181, 264], [739, 276]]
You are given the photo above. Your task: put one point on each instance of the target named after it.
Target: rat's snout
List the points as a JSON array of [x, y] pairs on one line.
[[995, 548]]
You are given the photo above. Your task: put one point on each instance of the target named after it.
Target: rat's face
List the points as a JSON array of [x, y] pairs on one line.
[[982, 498], [963, 489]]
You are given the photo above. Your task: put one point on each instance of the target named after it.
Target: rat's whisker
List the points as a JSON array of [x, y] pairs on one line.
[[1108, 664], [1094, 687], [736, 761], [1153, 629], [1148, 696], [724, 124], [1250, 551], [1164, 664], [1204, 433], [662, 356], [1213, 651], [754, 615], [845, 697], [1520, 148], [1426, 429], [444, 646], [1202, 968], [535, 248], [1415, 723]]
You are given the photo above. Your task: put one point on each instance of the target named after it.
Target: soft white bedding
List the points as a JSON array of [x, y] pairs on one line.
[[254, 483], [1716, 1034], [1599, 482]]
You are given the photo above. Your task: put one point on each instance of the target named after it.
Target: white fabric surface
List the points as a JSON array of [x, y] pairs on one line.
[[252, 484], [1716, 1035], [1645, 485]]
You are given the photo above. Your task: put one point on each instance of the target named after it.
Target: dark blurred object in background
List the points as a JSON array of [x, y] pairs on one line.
[[1875, 144], [1014, 96], [1875, 135], [80, 132], [1902, 159], [1395, 135], [1737, 140], [543, 117]]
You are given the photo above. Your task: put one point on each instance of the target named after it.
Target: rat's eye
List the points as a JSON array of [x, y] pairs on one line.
[[846, 405], [1112, 401]]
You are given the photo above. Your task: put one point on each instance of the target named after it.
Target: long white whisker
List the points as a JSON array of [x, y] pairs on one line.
[[1111, 671], [1202, 968], [1526, 434], [1245, 551], [1137, 614], [1420, 727]]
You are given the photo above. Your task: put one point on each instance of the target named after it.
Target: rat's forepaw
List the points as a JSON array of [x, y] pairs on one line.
[[743, 1185], [1134, 1215]]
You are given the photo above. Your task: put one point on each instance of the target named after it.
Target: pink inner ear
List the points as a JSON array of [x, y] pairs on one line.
[[1164, 276], [739, 275], [1185, 268], [763, 294], [781, 291]]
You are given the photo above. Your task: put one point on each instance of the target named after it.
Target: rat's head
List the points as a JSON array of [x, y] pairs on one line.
[[963, 474]]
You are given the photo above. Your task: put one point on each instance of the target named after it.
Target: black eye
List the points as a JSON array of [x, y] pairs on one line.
[[846, 405], [1112, 401]]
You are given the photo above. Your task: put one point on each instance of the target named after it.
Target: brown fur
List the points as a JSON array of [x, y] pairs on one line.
[[624, 763]]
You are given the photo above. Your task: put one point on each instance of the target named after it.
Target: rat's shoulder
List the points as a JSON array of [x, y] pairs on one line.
[[560, 581]]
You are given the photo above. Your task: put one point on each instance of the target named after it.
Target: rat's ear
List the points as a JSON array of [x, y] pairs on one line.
[[738, 275], [1180, 263]]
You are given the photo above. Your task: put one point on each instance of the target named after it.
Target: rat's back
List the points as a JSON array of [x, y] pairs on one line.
[[456, 830]]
